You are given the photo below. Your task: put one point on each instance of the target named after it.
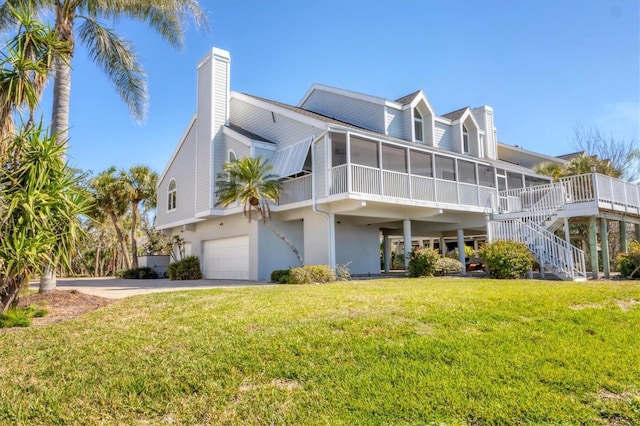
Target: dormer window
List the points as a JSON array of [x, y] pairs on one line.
[[418, 126], [231, 155], [465, 139], [172, 195]]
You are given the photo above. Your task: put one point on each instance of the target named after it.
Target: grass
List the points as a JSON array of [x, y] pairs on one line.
[[20, 317], [405, 351]]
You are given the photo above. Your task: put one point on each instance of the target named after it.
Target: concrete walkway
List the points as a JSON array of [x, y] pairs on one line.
[[118, 288]]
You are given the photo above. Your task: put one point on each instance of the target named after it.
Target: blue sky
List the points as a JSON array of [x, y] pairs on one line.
[[544, 66]]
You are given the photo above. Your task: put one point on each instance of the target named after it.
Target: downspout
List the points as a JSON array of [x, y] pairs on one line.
[[329, 216]]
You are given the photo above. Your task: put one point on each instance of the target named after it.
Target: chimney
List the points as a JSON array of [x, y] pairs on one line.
[[212, 112]]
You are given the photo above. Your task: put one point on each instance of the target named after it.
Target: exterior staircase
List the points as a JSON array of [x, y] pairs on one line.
[[531, 215]]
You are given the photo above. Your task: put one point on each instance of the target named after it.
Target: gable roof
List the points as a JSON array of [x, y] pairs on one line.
[[456, 115], [408, 98]]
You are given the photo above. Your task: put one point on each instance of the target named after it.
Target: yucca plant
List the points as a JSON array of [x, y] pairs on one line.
[[41, 205]]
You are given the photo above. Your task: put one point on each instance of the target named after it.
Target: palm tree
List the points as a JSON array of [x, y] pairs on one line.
[[138, 187], [106, 188], [25, 66], [248, 181], [113, 54], [553, 170]]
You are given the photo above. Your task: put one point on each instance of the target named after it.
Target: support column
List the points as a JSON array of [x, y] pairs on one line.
[[604, 244], [593, 247], [461, 256], [386, 252], [623, 236], [406, 227], [567, 234], [443, 247]]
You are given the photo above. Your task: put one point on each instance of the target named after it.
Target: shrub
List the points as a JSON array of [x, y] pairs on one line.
[[468, 252], [629, 261], [185, 269], [448, 266], [507, 259], [423, 262], [311, 274], [342, 272], [140, 273], [280, 276]]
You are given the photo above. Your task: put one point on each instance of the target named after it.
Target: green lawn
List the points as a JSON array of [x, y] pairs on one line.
[[403, 351]]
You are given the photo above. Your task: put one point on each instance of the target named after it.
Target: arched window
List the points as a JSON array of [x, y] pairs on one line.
[[418, 126], [172, 195], [231, 155], [465, 139]]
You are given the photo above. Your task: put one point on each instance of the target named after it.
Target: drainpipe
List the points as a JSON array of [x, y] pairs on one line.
[[329, 216]]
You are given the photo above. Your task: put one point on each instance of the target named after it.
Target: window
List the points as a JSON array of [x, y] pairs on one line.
[[394, 158], [486, 176], [364, 152], [514, 180], [467, 172], [172, 195], [465, 139], [445, 168], [338, 149], [535, 181], [418, 126], [231, 155], [421, 163]]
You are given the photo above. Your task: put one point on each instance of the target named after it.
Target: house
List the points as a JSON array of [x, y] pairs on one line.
[[357, 170]]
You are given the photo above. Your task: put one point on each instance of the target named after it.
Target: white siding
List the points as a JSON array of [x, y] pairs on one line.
[[484, 117], [205, 135], [183, 171], [223, 143], [442, 136], [355, 111], [455, 143], [394, 123], [320, 167], [260, 121]]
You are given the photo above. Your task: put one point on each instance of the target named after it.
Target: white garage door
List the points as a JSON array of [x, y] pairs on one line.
[[227, 258]]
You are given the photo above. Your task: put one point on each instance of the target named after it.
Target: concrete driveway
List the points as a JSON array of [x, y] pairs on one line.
[[117, 288]]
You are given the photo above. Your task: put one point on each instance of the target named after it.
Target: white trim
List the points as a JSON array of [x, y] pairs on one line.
[[178, 223], [229, 152], [175, 199]]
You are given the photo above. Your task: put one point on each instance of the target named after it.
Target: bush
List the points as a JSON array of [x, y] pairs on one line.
[[311, 274], [138, 274], [448, 266], [507, 259], [629, 261], [280, 276], [185, 269], [468, 252], [423, 262]]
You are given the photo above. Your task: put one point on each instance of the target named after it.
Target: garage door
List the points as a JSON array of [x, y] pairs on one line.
[[227, 258]]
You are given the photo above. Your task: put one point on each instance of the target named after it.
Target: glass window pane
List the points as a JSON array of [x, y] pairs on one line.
[[466, 172], [421, 163], [534, 181], [514, 180], [338, 149], [445, 168], [486, 176], [394, 158], [364, 152]]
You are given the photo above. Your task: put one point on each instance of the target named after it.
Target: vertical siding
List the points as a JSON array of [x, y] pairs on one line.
[[455, 140], [320, 167], [183, 171], [355, 111], [205, 135], [484, 117]]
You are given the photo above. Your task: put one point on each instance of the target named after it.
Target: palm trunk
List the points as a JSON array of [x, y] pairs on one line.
[[61, 96], [9, 291], [286, 241], [134, 244], [114, 219]]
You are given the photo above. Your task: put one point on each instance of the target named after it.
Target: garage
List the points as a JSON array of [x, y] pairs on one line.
[[227, 258]]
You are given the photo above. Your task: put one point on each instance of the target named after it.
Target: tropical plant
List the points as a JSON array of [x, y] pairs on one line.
[[448, 266], [185, 269], [311, 274], [249, 181], [628, 263], [40, 211], [112, 53], [106, 191], [138, 187]]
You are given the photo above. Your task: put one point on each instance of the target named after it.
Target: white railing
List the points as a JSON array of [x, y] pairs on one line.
[[546, 246], [295, 190], [338, 180], [395, 184], [422, 188]]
